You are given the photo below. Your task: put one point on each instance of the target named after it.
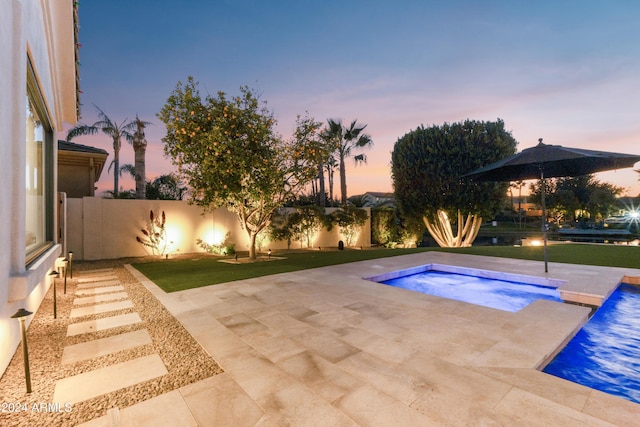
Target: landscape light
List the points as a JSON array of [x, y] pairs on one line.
[[20, 315], [55, 275], [70, 256], [66, 264]]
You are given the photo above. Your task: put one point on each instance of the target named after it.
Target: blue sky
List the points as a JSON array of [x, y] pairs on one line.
[[568, 72]]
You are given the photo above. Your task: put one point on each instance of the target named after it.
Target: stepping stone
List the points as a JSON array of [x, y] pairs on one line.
[[100, 308], [97, 271], [100, 298], [103, 346], [98, 284], [101, 290], [103, 324], [101, 381], [97, 279]]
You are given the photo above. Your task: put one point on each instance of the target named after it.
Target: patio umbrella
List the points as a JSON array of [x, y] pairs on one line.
[[551, 161]]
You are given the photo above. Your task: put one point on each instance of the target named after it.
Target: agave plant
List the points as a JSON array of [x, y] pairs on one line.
[[155, 234]]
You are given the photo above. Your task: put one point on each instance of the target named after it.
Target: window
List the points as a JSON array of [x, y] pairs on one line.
[[38, 173]]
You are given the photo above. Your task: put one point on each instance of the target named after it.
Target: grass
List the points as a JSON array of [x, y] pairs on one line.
[[176, 275]]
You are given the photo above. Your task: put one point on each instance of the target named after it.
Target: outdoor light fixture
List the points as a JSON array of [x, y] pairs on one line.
[[66, 264], [70, 256], [55, 275], [269, 253], [20, 315]]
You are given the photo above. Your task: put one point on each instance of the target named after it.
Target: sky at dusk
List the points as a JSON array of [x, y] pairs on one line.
[[567, 72]]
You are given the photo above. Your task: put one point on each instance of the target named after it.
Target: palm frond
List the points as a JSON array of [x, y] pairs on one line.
[[128, 169], [364, 141], [360, 158], [81, 130]]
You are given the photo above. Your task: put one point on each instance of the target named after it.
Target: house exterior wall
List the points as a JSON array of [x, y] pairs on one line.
[[75, 180], [107, 228], [41, 32]]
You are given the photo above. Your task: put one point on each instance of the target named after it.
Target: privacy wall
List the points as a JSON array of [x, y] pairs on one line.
[[107, 228]]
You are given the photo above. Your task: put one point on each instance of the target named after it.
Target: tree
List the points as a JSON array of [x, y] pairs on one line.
[[331, 167], [518, 186], [350, 220], [115, 130], [279, 227], [139, 143], [227, 151], [127, 169], [581, 196], [346, 141], [427, 165], [306, 222], [385, 229], [311, 152], [165, 187]]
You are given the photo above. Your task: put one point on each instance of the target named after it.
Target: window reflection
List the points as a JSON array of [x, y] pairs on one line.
[[35, 163]]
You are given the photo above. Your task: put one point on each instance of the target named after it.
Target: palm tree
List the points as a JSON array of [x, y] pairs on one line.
[[115, 130], [347, 139], [331, 167], [139, 143]]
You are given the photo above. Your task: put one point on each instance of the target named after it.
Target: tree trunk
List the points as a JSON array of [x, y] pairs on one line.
[[314, 191], [140, 148], [343, 182], [440, 229], [330, 178], [141, 190], [322, 200], [252, 244], [116, 167], [520, 204]]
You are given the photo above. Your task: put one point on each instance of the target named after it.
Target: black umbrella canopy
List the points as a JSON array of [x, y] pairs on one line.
[[550, 161]]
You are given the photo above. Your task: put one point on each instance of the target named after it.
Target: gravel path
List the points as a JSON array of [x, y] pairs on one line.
[[183, 357]]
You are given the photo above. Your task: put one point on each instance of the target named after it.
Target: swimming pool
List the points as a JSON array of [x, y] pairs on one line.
[[605, 353], [503, 291]]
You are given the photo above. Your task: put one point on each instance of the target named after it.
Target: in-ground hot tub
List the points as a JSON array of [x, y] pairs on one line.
[[503, 291]]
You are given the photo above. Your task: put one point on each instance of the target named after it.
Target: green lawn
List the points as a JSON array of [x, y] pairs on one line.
[[176, 275]]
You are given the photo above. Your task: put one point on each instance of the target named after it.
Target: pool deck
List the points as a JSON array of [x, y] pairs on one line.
[[326, 347]]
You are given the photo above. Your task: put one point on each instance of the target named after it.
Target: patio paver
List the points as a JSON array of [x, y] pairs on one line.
[[103, 324], [105, 380], [324, 344], [100, 308], [103, 346]]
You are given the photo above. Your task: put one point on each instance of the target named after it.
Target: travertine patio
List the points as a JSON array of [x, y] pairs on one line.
[[325, 347]]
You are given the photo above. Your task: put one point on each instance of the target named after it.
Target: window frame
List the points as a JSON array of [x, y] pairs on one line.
[[35, 99]]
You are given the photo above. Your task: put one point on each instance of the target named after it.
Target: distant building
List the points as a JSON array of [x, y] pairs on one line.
[[79, 168], [38, 92], [372, 199]]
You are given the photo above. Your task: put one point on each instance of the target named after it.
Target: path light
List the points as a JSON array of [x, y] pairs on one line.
[[20, 315], [66, 264], [70, 256], [269, 253], [55, 275]]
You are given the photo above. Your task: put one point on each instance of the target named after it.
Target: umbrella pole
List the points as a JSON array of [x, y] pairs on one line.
[[544, 220]]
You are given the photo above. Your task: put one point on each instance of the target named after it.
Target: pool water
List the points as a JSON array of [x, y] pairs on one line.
[[500, 294], [605, 353]]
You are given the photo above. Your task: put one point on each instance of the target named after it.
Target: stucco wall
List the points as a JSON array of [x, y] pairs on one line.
[[42, 31], [75, 180], [107, 228]]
